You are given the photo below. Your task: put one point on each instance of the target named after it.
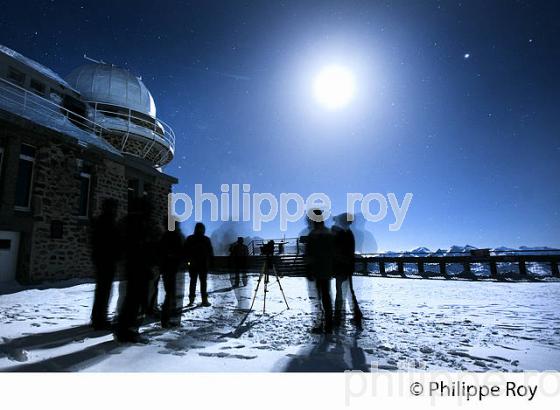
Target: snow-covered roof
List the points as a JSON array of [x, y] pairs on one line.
[[47, 72], [43, 112]]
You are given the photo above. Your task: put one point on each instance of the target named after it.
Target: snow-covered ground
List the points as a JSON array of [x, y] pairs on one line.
[[431, 324]]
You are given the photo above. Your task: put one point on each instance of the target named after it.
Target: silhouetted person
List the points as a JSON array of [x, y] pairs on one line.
[[149, 305], [313, 295], [365, 241], [140, 244], [239, 254], [171, 259], [345, 248], [106, 251], [268, 251], [319, 254], [199, 255]]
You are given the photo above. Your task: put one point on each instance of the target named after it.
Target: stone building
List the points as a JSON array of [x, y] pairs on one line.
[[65, 147]]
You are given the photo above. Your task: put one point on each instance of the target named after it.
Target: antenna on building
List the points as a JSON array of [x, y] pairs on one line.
[[94, 60]]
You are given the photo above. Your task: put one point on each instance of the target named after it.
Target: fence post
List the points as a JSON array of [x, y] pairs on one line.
[[493, 269], [382, 268], [400, 267], [554, 266], [421, 269], [522, 267], [467, 267], [443, 268]]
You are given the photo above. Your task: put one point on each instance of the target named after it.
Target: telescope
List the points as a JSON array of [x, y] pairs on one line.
[[268, 249]]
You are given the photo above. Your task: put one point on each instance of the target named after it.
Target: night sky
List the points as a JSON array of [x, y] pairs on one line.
[[456, 102]]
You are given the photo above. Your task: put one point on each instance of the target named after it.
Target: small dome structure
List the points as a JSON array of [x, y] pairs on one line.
[[106, 83]]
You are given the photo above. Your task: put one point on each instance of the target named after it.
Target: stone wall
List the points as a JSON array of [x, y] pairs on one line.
[[158, 192], [110, 182], [56, 200]]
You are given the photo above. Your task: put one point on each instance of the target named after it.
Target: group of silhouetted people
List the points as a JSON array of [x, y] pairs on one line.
[[329, 254], [151, 251], [148, 252]]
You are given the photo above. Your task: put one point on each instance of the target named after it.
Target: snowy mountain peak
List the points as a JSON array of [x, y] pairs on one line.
[[421, 249]]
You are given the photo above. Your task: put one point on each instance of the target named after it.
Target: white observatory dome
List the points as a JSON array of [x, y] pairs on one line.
[[107, 84]]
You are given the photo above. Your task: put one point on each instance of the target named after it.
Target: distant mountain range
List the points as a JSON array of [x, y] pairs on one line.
[[456, 249]]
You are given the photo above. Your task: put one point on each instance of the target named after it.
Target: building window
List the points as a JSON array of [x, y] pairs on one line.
[[37, 87], [16, 76], [85, 190], [57, 230], [1, 161], [25, 177], [5, 244]]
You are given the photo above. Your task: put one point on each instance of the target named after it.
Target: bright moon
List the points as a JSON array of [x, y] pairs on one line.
[[334, 87]]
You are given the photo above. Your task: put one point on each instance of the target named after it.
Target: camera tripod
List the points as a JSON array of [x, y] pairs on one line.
[[268, 265]]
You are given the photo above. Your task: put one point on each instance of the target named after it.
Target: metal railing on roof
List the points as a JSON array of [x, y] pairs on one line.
[[27, 103], [31, 103], [159, 129]]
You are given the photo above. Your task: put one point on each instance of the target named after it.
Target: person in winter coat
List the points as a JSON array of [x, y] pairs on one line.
[[106, 251], [319, 254], [239, 253], [345, 248], [171, 260], [199, 254], [141, 240]]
